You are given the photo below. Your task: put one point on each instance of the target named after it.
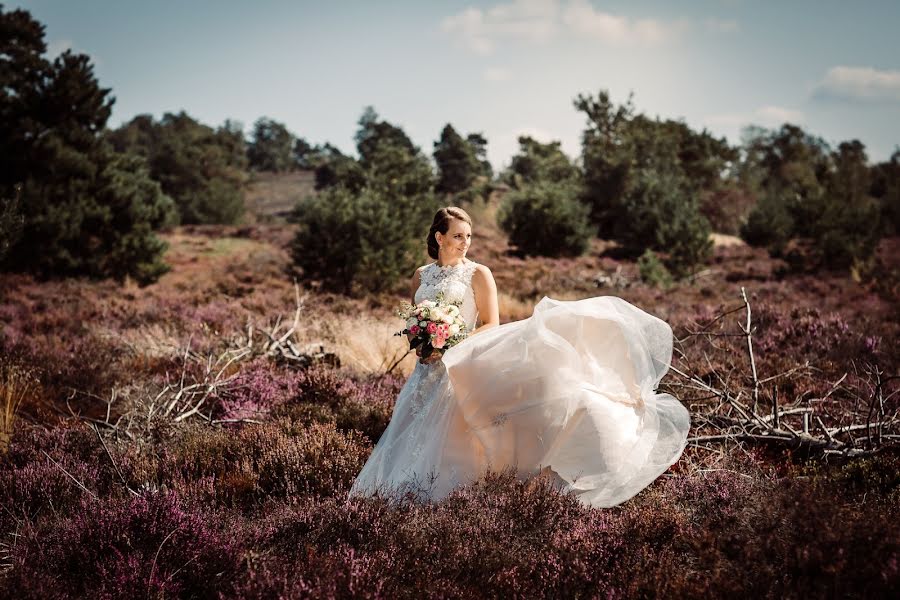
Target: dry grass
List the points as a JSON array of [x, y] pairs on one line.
[[723, 239], [269, 197], [16, 384]]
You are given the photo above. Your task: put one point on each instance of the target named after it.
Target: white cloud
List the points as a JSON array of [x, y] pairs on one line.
[[538, 21], [581, 17], [533, 20], [496, 74], [859, 84]]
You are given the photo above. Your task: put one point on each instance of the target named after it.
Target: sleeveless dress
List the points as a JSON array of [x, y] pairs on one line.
[[571, 388]]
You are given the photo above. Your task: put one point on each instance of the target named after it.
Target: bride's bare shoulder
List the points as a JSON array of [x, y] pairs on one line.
[[480, 268], [482, 273]]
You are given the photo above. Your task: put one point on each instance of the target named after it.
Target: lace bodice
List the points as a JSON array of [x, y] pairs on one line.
[[456, 284]]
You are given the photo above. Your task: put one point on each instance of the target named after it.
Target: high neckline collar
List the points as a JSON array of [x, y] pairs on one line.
[[446, 267]]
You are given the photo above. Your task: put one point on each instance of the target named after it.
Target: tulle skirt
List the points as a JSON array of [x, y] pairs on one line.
[[572, 388]]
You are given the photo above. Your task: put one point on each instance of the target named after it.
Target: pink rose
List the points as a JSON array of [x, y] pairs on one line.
[[444, 330], [432, 327], [438, 342], [415, 329]]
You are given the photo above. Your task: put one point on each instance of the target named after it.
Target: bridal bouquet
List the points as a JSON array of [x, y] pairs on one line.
[[434, 325]]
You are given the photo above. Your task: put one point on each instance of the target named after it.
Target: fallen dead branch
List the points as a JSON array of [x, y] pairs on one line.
[[279, 344], [799, 424]]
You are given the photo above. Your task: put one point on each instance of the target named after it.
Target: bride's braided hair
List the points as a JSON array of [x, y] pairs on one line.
[[442, 223]]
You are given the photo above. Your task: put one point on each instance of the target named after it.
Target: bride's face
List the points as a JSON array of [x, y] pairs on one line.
[[455, 243]]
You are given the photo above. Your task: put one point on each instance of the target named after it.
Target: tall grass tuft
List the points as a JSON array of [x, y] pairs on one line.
[[15, 385]]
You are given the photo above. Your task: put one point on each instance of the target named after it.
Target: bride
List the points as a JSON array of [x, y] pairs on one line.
[[568, 393]]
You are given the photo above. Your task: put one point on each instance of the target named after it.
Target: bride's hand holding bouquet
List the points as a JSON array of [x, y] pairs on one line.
[[432, 327]]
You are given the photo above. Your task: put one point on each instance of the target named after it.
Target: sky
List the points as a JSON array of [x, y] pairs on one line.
[[503, 69]]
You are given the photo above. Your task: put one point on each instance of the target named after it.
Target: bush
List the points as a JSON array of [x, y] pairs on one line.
[[329, 396], [538, 162], [726, 209], [660, 213], [364, 243], [847, 233], [769, 224], [10, 222], [653, 271], [546, 219], [151, 543], [283, 459]]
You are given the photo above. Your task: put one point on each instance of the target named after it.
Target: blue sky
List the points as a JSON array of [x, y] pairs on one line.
[[501, 68]]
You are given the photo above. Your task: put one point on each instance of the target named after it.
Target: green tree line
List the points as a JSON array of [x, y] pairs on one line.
[[79, 198]]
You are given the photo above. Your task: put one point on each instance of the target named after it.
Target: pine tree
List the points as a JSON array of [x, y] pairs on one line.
[[457, 163], [84, 210]]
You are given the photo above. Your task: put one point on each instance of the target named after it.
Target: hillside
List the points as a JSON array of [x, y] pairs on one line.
[[212, 448]]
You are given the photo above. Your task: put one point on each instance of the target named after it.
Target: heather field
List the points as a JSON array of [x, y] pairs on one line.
[[196, 437]]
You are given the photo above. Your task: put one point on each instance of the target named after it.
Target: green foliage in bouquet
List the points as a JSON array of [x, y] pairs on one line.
[[84, 209], [546, 219], [435, 325]]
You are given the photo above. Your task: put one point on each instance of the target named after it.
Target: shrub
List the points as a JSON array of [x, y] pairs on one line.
[[726, 209], [546, 219], [653, 271], [847, 233], [283, 459], [257, 390], [10, 222], [769, 224], [152, 543], [365, 243], [538, 162], [662, 214], [328, 396]]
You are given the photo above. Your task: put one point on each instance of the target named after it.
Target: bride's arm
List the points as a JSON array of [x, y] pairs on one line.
[[485, 290]]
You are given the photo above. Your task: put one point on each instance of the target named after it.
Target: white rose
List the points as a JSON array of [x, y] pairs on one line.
[[453, 310], [454, 329], [438, 314], [448, 319]]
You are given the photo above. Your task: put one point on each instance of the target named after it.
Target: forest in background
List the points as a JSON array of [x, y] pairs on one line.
[[193, 369]]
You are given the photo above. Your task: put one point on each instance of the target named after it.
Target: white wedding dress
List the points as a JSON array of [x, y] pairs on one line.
[[571, 388]]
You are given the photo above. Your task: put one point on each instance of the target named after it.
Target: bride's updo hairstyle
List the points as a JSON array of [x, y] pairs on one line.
[[442, 223]]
